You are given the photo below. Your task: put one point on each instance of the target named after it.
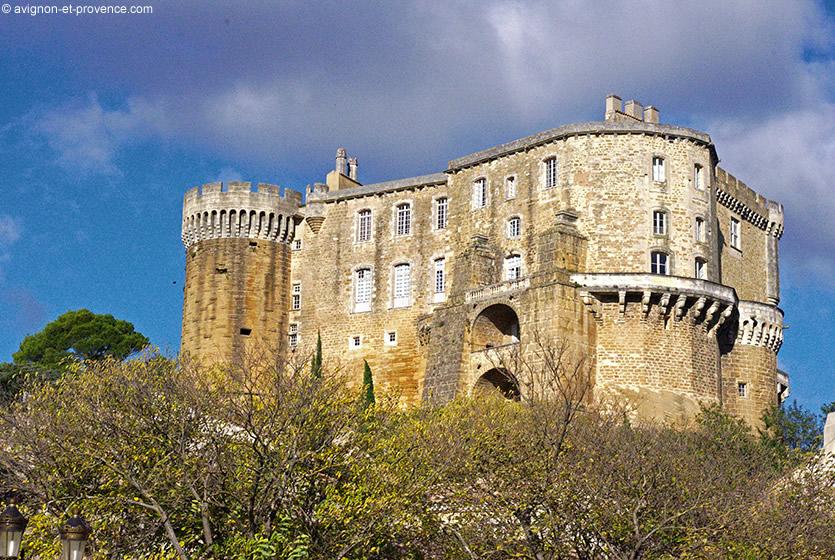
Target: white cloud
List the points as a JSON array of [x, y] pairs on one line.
[[87, 137], [10, 230]]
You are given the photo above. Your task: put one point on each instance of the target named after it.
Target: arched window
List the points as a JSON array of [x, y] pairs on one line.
[[659, 173], [659, 262], [362, 289], [513, 267], [402, 282], [441, 212], [363, 225], [700, 268], [480, 193], [403, 221], [514, 227], [659, 222]]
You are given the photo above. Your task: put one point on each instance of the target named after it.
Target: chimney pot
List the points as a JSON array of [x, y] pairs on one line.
[[651, 114], [353, 168], [341, 161]]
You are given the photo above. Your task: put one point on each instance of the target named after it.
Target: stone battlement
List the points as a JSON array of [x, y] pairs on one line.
[[210, 212]]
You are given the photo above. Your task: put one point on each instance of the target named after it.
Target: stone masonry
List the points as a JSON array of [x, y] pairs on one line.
[[621, 238]]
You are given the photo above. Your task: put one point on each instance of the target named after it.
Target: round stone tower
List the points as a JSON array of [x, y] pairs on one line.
[[237, 269]]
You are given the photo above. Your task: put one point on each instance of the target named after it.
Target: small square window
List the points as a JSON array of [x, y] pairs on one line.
[[390, 338], [355, 341], [245, 331], [297, 244], [742, 389]]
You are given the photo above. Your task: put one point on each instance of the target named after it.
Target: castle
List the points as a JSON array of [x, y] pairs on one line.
[[622, 237]]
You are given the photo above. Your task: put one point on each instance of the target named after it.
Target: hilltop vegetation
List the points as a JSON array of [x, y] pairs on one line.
[[269, 460]]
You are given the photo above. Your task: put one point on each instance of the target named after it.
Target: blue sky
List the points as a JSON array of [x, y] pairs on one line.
[[105, 120]]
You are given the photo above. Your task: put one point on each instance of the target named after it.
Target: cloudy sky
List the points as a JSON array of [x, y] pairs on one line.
[[106, 119]]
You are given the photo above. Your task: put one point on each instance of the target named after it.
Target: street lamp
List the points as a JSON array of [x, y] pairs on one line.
[[12, 525], [74, 538]]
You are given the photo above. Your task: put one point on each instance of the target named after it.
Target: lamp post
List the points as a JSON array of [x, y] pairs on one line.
[[74, 536], [12, 525]]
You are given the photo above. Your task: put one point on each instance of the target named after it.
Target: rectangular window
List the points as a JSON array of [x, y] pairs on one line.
[[439, 279], [510, 187], [701, 268], [402, 285], [659, 263], [480, 193], [513, 267], [293, 335], [736, 234], [700, 229], [659, 174], [514, 227], [363, 225], [742, 389], [659, 222], [441, 207], [698, 177], [551, 172], [297, 296], [355, 341], [362, 289], [297, 244], [404, 219], [390, 338]]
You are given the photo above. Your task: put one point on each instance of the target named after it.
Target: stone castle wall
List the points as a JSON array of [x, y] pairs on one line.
[[666, 343]]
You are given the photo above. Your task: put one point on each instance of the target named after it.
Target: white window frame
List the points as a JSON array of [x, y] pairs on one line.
[[742, 389], [297, 244], [296, 296], [439, 279], [362, 300], [659, 169], [700, 268], [403, 219], [550, 172], [735, 234], [513, 227], [355, 342], [401, 285], [510, 187], [512, 272], [441, 212], [388, 336], [656, 265], [660, 222], [699, 176], [365, 225], [699, 233], [293, 335], [481, 193]]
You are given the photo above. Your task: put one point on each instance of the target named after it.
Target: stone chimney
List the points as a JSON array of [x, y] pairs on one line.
[[341, 161], [353, 168], [651, 114], [613, 106], [634, 109], [829, 433]]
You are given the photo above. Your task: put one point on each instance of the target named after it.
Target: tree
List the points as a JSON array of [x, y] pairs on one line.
[[80, 335], [827, 408], [794, 427], [316, 363], [367, 386]]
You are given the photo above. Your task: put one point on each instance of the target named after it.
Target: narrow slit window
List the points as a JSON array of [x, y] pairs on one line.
[[439, 278], [700, 268], [736, 234], [698, 177], [510, 187], [699, 231], [551, 172]]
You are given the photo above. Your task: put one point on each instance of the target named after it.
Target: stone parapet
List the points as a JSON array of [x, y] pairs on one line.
[[760, 324], [210, 212]]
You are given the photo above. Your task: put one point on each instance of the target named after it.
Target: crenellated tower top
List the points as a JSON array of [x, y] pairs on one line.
[[212, 212]]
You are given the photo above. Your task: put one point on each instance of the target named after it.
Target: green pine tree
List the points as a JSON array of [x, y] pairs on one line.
[[316, 365], [367, 387]]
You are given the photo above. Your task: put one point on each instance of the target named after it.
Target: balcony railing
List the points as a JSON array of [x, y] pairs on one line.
[[488, 292]]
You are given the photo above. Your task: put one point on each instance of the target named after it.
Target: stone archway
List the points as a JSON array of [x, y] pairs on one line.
[[499, 381], [496, 325]]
